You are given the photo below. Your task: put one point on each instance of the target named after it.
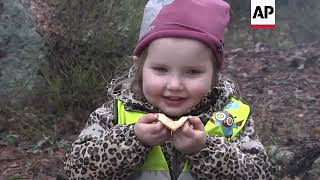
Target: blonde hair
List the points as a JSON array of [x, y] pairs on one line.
[[136, 83]]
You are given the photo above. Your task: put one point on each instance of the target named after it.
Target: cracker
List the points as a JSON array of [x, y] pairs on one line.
[[171, 124]]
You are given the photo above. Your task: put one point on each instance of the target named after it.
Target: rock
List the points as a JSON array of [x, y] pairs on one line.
[[315, 169], [260, 47], [300, 157], [20, 53], [297, 61]]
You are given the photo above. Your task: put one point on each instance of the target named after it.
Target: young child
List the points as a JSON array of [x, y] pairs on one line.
[[176, 72]]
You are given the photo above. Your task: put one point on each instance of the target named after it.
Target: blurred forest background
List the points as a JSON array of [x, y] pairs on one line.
[[87, 43]]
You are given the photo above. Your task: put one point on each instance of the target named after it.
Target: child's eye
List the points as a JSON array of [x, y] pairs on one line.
[[160, 69], [193, 72]]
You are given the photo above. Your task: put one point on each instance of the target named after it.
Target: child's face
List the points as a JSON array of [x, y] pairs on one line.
[[176, 75]]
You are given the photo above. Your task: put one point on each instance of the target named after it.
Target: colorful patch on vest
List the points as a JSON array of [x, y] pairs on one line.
[[226, 121]]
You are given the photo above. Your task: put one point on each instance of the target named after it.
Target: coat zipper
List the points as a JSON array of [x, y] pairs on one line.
[[175, 164]]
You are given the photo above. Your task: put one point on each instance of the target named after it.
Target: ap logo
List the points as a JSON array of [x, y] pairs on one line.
[[263, 13]]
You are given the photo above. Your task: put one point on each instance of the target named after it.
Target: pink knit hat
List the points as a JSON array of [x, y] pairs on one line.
[[203, 20]]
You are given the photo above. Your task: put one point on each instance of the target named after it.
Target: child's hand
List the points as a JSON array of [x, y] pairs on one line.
[[191, 137], [150, 131]]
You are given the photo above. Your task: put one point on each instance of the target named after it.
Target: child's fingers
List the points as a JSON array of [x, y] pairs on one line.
[[165, 132], [196, 123], [157, 127], [148, 118]]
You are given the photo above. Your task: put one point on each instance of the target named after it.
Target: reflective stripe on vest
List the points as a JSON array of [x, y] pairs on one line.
[[226, 123]]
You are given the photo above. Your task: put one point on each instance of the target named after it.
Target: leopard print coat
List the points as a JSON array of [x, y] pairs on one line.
[[107, 150]]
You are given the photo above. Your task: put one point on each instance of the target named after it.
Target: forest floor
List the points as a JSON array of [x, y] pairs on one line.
[[282, 87]]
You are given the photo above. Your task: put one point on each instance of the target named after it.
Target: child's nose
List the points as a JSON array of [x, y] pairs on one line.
[[175, 83]]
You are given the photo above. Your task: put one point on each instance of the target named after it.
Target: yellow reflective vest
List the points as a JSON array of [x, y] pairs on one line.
[[226, 123]]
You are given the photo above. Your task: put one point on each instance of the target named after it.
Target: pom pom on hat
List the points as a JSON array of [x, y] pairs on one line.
[[203, 20]]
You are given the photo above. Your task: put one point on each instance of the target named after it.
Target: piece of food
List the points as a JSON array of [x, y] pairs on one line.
[[169, 123]]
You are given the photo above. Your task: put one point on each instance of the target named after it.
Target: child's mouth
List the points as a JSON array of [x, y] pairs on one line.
[[173, 101]]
